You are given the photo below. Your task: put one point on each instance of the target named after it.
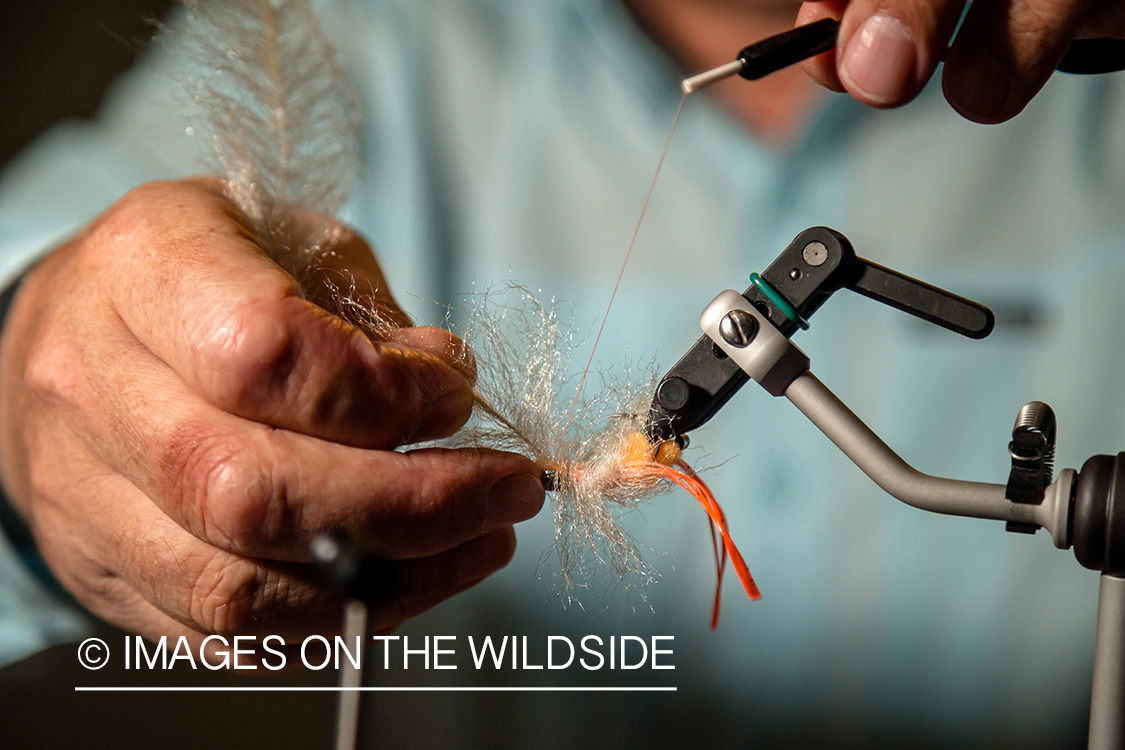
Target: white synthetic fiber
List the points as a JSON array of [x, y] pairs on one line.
[[522, 347]]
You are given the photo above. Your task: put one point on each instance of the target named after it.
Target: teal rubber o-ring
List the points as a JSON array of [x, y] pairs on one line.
[[779, 302]]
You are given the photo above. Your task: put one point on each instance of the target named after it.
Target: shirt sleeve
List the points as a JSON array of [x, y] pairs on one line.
[[32, 617]]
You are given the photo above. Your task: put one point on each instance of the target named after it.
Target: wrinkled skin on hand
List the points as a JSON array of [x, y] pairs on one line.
[[1003, 54], [178, 422]]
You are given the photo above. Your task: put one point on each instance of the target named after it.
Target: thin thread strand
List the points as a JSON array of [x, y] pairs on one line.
[[628, 253]]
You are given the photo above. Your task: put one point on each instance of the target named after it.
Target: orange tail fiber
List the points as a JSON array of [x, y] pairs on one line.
[[686, 477]]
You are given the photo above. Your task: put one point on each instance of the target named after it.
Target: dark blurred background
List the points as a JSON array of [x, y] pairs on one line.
[[57, 57]]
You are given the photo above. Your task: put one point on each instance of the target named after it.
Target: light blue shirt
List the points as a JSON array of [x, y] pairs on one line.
[[508, 140]]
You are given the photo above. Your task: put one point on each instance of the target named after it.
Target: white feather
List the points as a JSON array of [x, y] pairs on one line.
[[283, 117]]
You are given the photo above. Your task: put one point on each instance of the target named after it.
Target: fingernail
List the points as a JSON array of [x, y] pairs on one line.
[[514, 498], [977, 88], [880, 59]]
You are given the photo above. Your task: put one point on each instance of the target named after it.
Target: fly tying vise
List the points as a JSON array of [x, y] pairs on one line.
[[703, 381], [300, 157]]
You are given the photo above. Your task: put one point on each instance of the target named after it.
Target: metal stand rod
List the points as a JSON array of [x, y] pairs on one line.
[[1107, 703], [351, 677], [889, 471]]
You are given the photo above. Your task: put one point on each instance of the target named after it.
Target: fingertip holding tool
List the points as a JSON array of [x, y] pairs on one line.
[[772, 54], [1083, 57]]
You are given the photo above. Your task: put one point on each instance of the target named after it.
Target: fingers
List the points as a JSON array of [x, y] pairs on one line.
[[263, 492], [206, 300], [135, 550], [266, 496], [1002, 55], [1005, 52], [886, 49], [423, 583]]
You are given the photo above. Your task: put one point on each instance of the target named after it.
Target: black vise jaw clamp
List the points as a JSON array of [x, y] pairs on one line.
[[817, 263]]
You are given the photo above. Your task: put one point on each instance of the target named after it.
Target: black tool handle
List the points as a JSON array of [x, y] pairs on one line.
[[1093, 56], [788, 48], [1085, 56], [922, 300], [344, 565]]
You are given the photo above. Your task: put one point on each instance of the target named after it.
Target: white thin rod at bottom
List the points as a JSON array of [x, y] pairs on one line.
[[351, 677], [1107, 700]]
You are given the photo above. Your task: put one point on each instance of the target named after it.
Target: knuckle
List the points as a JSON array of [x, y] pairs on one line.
[[134, 209], [226, 597], [224, 493], [50, 374], [135, 229], [249, 351], [156, 216], [233, 595], [137, 200], [143, 196]]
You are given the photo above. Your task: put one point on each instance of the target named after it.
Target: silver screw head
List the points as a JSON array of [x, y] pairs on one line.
[[738, 328], [815, 253]]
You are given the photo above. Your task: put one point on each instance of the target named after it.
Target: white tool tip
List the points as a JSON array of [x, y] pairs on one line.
[[703, 80]]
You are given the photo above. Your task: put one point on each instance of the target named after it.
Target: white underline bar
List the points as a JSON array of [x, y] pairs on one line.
[[292, 689]]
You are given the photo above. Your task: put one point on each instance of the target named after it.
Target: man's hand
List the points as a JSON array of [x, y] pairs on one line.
[[1003, 54], [178, 421]]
